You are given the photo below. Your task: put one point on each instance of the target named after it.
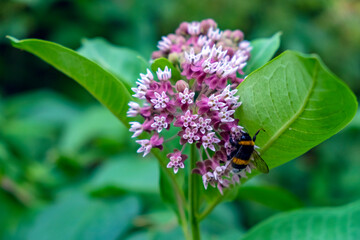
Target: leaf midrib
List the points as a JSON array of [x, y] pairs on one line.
[[295, 116]]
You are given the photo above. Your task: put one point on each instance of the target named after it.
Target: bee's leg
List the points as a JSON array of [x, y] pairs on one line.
[[254, 138], [234, 144]]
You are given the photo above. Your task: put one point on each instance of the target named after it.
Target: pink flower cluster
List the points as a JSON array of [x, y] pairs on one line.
[[202, 105]]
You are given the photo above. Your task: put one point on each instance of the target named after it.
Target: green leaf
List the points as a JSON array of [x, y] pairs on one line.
[[29, 138], [126, 173], [103, 85], [223, 221], [140, 235], [43, 106], [322, 223], [79, 217], [270, 196], [162, 63], [263, 50], [11, 213], [298, 102], [94, 122], [124, 63]]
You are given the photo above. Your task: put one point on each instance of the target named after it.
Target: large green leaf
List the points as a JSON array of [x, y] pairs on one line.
[[298, 102], [124, 63], [263, 50], [94, 122], [270, 196], [79, 217], [324, 223], [103, 85], [126, 173]]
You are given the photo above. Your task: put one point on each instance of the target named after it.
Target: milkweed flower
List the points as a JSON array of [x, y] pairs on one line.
[[201, 105]]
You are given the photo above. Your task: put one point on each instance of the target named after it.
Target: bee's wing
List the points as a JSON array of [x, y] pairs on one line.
[[259, 163]]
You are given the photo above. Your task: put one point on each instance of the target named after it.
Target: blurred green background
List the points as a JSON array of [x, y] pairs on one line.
[[63, 156]]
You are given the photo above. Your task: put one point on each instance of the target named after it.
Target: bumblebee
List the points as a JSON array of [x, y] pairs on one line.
[[245, 148]]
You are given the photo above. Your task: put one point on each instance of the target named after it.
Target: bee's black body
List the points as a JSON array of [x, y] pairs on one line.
[[245, 148], [245, 153]]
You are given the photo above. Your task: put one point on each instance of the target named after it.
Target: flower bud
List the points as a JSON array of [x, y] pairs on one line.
[[238, 35], [182, 29], [172, 37], [227, 33], [174, 57], [156, 54], [181, 85], [206, 24]]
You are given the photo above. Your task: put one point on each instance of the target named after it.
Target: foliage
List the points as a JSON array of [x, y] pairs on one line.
[[263, 50], [291, 80], [115, 217], [61, 151], [111, 91], [286, 98], [78, 171], [310, 223]]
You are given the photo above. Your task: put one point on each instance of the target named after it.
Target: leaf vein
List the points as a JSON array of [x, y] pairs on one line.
[[296, 115]]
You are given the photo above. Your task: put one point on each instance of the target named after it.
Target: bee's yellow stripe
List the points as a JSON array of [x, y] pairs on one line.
[[251, 143], [239, 161]]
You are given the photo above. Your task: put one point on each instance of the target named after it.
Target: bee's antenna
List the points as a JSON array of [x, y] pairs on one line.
[[254, 138]]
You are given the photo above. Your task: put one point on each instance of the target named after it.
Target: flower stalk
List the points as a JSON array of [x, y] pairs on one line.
[[193, 197]]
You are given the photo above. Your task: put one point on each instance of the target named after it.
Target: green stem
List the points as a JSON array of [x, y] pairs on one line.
[[179, 195], [19, 192], [193, 197]]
